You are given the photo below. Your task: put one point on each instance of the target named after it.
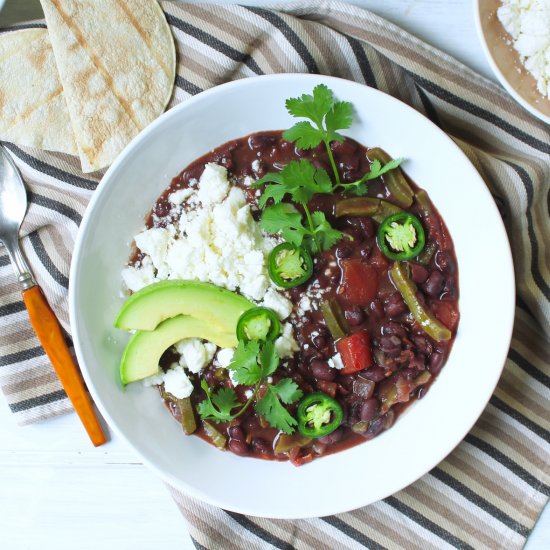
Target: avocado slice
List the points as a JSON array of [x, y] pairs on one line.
[[145, 348], [148, 307]]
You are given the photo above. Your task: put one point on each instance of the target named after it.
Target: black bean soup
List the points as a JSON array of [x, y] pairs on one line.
[[354, 274]]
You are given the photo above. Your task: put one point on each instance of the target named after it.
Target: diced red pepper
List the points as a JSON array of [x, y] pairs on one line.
[[355, 351], [359, 282]]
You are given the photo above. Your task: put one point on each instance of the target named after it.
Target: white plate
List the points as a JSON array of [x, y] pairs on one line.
[[420, 438], [505, 61]]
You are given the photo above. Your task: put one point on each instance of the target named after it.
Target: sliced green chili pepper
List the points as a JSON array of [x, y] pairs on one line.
[[215, 435], [286, 442], [374, 208], [258, 323], [433, 327], [318, 415], [425, 257], [424, 202], [289, 265], [188, 422], [334, 319], [401, 236], [394, 179]]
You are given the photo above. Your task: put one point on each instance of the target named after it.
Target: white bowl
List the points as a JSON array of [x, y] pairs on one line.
[[424, 435], [505, 62]]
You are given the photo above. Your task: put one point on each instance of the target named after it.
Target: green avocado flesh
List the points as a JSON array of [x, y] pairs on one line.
[[145, 348], [157, 302]]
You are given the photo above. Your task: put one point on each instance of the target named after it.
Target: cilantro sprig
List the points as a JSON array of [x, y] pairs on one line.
[[326, 116], [251, 365], [300, 180]]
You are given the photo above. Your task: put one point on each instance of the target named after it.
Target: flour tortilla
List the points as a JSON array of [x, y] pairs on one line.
[[116, 60], [33, 111]]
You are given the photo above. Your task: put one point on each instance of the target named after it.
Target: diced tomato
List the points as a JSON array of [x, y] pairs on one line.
[[355, 351], [359, 282], [447, 313]]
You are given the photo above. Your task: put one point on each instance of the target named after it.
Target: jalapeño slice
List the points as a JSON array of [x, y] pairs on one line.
[[318, 415], [401, 236], [258, 323], [289, 265]]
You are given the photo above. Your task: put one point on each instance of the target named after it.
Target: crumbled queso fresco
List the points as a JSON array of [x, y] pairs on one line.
[[528, 22], [215, 239]]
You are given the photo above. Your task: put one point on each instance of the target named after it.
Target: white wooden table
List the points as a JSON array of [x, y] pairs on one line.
[[56, 490]]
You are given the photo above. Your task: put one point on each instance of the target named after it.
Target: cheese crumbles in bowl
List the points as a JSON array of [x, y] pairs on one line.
[[276, 314]]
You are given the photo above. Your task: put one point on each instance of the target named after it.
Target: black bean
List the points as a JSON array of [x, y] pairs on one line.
[[392, 327], [346, 147], [445, 261], [238, 447], [260, 141], [369, 409], [395, 305], [419, 273], [376, 308], [422, 344], [261, 446], [344, 250], [236, 432], [434, 283], [333, 437], [418, 362], [436, 362], [322, 371], [365, 249], [351, 164], [354, 316], [376, 374]]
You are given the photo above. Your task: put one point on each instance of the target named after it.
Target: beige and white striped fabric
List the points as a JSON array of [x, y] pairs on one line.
[[489, 492]]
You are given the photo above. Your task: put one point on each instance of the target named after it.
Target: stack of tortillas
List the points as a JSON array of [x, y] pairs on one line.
[[99, 74]]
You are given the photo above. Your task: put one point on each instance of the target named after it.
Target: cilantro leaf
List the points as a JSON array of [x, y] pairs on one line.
[[288, 391], [217, 406], [245, 364], [314, 107], [304, 135], [377, 170], [284, 218], [269, 359], [273, 411], [339, 118], [299, 179], [327, 235]]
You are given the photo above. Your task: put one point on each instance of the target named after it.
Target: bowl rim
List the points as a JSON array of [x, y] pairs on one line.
[[323, 509], [496, 70]]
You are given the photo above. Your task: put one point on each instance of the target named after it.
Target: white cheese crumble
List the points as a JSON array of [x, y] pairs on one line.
[[281, 305], [335, 362], [175, 380], [177, 383], [224, 357], [286, 345], [528, 22], [195, 354], [177, 197]]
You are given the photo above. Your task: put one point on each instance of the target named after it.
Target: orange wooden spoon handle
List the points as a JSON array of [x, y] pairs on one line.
[[49, 333]]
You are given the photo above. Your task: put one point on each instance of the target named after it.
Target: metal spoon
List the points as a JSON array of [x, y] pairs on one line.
[[13, 205]]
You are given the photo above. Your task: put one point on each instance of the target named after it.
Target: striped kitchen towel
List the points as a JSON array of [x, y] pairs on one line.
[[490, 491]]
